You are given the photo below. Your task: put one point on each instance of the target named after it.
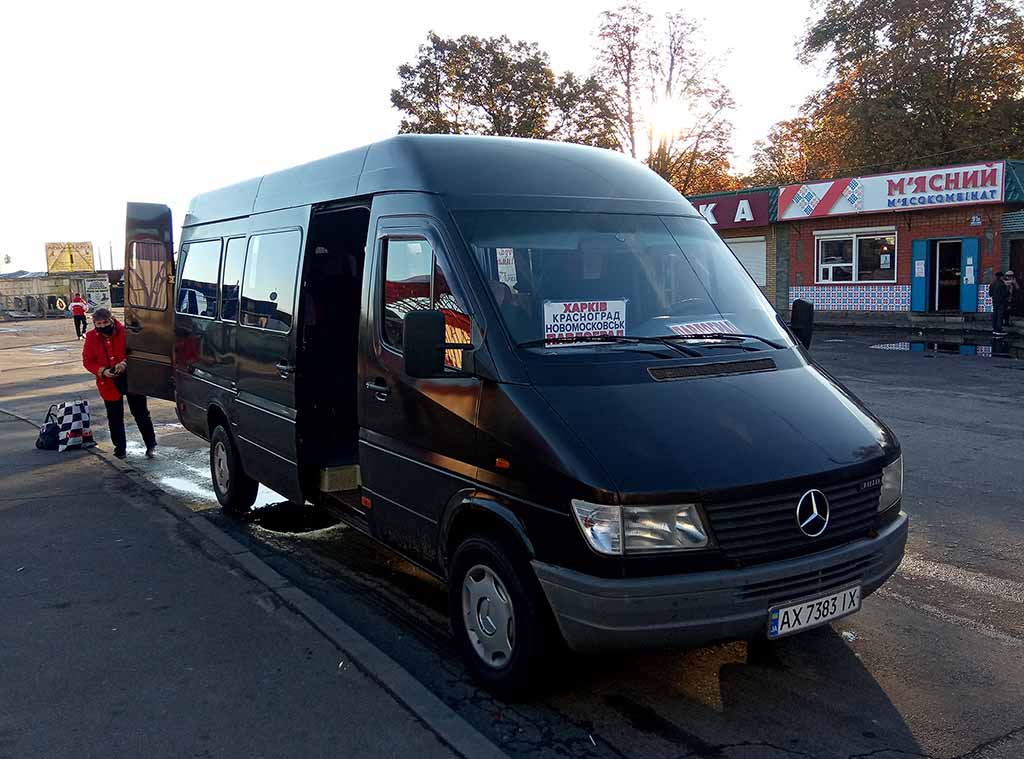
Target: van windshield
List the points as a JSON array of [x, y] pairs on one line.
[[561, 277]]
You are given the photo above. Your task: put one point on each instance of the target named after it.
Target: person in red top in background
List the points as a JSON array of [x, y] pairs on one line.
[[78, 307], [104, 355]]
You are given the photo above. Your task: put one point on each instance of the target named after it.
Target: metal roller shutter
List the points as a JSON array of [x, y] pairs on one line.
[[752, 253]]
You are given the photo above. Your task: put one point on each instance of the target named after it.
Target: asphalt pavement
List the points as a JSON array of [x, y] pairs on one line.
[[932, 666]]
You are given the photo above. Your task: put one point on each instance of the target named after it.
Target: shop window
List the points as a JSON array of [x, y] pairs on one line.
[[857, 258]]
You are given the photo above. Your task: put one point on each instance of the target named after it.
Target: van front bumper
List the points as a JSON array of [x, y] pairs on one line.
[[599, 614]]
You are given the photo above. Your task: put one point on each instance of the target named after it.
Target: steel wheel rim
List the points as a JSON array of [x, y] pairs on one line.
[[488, 616], [221, 472]]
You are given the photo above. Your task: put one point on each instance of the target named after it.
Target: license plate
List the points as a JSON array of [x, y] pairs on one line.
[[783, 620]]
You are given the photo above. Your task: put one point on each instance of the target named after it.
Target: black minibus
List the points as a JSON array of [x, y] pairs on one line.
[[534, 370]]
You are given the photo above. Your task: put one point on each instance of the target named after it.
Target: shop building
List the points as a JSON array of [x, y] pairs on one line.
[[745, 220], [894, 247]]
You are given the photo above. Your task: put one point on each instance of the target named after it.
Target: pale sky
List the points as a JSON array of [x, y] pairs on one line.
[[104, 102]]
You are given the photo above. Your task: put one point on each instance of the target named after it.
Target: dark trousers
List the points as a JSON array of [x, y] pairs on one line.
[[115, 420], [80, 326], [997, 316]]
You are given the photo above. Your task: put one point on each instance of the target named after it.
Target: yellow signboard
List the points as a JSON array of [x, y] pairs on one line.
[[63, 257]]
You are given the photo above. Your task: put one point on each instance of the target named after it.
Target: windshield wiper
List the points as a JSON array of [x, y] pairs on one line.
[[728, 336], [663, 341]]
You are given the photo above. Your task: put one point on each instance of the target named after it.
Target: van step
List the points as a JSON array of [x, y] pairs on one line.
[[336, 479]]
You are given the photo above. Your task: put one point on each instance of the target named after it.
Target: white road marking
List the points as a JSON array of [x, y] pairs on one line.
[[955, 619], [976, 582]]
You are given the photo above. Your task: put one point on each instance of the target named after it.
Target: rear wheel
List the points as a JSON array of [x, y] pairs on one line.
[[236, 491], [499, 616]]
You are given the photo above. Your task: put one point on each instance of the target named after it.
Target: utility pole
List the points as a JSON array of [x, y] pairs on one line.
[[110, 251]]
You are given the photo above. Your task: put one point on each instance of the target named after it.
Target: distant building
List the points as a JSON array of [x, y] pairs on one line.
[[42, 294]]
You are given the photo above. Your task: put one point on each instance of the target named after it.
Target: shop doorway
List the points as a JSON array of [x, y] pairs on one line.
[[944, 288], [1017, 257]]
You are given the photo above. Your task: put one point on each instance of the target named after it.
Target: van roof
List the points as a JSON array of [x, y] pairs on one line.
[[473, 171]]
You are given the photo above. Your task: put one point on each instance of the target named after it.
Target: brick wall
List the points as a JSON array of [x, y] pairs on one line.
[[913, 225], [768, 233]]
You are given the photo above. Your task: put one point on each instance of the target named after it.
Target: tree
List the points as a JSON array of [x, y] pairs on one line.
[[433, 92], [783, 158], [912, 83], [623, 52], [494, 86], [583, 113], [668, 106]]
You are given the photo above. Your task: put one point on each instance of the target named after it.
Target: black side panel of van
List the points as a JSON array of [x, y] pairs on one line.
[[265, 406]]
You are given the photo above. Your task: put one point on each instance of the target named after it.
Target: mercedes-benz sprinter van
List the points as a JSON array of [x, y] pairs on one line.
[[533, 369]]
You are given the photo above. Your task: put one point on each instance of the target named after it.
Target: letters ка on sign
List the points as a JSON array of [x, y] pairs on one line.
[[731, 211]]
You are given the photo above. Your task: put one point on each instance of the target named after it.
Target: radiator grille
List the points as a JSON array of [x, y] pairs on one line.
[[765, 529]]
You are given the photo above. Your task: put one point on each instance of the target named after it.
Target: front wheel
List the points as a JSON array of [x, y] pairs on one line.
[[499, 616], [236, 491]]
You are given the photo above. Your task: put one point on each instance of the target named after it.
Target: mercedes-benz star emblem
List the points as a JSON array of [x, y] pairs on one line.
[[812, 513]]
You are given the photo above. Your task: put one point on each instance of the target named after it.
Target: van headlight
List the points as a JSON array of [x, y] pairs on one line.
[[892, 484], [615, 530]]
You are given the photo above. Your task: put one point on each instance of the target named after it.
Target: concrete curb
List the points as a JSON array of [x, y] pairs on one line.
[[437, 716]]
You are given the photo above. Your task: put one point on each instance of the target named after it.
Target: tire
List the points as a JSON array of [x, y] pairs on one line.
[[511, 671], [236, 491]]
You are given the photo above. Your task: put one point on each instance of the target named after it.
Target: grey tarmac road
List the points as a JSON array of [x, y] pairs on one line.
[[932, 666]]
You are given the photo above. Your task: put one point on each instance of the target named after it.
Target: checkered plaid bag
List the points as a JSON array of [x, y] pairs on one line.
[[74, 421]]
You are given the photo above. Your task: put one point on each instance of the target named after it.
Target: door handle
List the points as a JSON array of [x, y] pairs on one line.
[[379, 388], [284, 369]]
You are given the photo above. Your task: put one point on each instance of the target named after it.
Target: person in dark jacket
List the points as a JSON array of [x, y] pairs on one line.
[[1000, 295], [1015, 300], [104, 356]]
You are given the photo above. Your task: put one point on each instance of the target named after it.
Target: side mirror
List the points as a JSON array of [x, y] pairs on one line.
[[802, 321], [423, 343]]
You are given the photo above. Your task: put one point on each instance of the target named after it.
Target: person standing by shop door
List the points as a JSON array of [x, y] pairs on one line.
[[104, 356], [1014, 297], [1000, 294], [78, 307]]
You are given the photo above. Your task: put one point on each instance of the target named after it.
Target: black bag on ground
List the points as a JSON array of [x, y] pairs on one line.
[[49, 431]]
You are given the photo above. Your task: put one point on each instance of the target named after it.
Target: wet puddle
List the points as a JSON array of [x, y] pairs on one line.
[[186, 473], [983, 348], [50, 349]]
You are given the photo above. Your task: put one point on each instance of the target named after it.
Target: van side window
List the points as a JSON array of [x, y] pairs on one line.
[[457, 326], [415, 279], [234, 260], [149, 269], [268, 284], [197, 289], [407, 267]]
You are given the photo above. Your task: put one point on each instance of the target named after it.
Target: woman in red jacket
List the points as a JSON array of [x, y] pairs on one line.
[[103, 355]]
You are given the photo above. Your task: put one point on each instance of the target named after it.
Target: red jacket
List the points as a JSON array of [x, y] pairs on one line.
[[102, 352], [78, 306]]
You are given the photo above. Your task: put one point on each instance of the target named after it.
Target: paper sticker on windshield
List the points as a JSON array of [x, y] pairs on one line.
[[583, 318], [703, 328], [507, 266]]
